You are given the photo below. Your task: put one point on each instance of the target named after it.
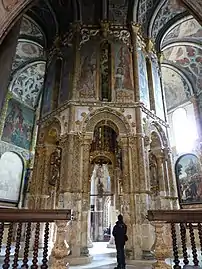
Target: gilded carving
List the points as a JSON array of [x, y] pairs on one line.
[[94, 117]]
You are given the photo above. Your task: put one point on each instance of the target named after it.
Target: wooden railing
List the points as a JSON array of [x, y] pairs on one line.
[[23, 231], [185, 237]]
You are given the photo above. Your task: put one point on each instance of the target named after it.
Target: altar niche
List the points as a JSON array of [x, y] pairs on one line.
[[105, 160]]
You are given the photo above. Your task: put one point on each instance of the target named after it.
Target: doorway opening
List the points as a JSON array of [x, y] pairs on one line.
[[105, 160]]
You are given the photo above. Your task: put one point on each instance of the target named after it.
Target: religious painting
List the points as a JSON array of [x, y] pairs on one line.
[[143, 79], [189, 179], [123, 68], [157, 90], [18, 125], [176, 88], [67, 75], [11, 172], [48, 89], [86, 85]]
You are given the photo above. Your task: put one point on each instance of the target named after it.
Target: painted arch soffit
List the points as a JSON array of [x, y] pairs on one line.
[[189, 58], [186, 28], [27, 83], [176, 87], [164, 13], [26, 50], [31, 29]]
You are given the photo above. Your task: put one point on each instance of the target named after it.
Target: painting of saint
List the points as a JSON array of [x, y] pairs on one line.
[[123, 63], [87, 76], [18, 125], [189, 179], [66, 78], [143, 79], [157, 90], [48, 89]]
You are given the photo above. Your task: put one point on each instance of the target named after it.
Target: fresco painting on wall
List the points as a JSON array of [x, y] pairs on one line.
[[123, 70], [18, 125], [189, 179], [66, 78], [157, 90], [48, 88], [86, 85], [143, 78]]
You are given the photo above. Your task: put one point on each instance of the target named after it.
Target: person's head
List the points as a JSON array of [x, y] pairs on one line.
[[120, 217]]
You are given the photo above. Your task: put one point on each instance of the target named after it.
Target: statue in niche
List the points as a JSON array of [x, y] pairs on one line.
[[153, 168], [55, 163]]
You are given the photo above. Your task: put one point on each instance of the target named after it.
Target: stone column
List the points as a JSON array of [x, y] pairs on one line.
[[90, 243], [128, 202], [113, 218], [100, 218], [59, 255], [85, 200]]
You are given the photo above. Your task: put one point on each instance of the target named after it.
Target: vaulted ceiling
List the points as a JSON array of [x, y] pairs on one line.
[[173, 29]]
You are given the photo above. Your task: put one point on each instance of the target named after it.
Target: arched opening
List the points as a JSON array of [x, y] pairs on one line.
[[11, 174], [105, 158]]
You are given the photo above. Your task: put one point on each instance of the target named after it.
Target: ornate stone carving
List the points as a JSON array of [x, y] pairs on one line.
[[55, 162], [60, 251], [160, 248], [107, 113]]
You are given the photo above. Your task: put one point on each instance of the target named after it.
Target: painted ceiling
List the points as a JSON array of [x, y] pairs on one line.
[[173, 29], [29, 64]]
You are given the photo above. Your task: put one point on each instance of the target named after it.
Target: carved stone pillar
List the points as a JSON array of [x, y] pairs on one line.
[[59, 255], [80, 253], [90, 243], [128, 203], [113, 214], [161, 250]]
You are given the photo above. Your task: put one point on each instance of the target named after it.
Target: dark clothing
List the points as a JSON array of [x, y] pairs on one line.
[[119, 233], [120, 257]]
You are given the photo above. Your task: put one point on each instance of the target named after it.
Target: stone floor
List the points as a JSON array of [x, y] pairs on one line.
[[105, 258]]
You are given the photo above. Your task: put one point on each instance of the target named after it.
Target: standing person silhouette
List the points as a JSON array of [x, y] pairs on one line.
[[120, 235]]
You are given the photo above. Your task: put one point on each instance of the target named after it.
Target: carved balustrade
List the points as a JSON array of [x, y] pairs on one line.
[[185, 238], [19, 226]]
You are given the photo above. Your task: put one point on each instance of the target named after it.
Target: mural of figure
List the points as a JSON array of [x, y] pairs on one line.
[[123, 73], [18, 125], [55, 161], [119, 77], [87, 79]]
